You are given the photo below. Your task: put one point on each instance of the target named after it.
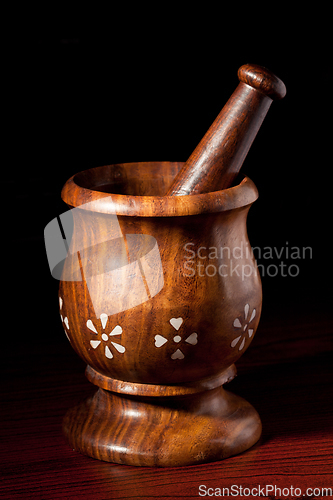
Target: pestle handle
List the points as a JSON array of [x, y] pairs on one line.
[[217, 159]]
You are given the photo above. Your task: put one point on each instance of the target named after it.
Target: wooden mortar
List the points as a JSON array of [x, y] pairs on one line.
[[160, 296]]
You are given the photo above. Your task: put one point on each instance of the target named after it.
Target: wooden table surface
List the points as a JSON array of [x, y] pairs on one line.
[[286, 374]]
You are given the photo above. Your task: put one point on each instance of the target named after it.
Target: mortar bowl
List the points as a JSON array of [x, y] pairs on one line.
[[159, 296]]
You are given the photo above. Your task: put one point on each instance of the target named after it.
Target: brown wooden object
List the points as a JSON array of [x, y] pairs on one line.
[[160, 333], [160, 296], [216, 161]]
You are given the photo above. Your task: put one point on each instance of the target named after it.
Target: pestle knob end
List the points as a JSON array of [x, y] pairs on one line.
[[262, 80]]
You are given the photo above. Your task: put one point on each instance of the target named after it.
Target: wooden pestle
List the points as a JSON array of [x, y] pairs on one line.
[[217, 159]]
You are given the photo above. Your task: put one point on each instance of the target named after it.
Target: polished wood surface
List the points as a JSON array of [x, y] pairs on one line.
[[287, 375], [137, 190], [197, 300], [160, 431], [171, 344], [216, 161]]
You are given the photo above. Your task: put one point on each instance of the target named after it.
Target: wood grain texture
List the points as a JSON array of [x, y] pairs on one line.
[[287, 375], [203, 302], [218, 158], [156, 431], [176, 337]]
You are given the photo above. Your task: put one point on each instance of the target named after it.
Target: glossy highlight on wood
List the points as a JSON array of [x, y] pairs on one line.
[[163, 362], [193, 429]]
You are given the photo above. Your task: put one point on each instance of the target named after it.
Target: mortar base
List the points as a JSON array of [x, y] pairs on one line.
[[162, 431]]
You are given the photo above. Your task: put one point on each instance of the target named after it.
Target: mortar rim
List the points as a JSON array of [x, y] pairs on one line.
[[243, 194]]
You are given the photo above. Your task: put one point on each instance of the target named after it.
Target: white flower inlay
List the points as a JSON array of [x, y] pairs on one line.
[[244, 326], [117, 330], [176, 323], [65, 322]]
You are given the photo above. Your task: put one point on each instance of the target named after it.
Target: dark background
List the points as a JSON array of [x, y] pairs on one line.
[[145, 86]]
